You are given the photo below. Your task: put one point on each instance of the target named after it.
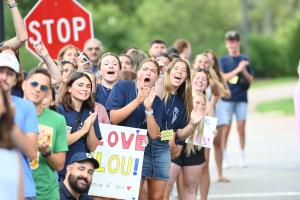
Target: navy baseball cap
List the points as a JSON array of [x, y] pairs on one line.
[[82, 156]]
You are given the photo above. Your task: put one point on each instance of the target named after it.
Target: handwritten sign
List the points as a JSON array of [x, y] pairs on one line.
[[120, 155], [206, 138], [166, 135], [210, 124]]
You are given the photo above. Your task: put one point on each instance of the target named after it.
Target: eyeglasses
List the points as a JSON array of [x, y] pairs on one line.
[[43, 88]]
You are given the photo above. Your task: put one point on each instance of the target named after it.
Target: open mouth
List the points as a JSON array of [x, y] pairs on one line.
[[111, 72], [147, 80], [177, 78]]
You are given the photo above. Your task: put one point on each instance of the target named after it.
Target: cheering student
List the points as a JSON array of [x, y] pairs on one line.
[[109, 71], [77, 106], [182, 118], [135, 104]]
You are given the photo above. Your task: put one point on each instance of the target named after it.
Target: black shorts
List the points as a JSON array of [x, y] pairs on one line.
[[196, 158]]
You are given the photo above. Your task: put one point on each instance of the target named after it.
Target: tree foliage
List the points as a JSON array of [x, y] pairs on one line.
[[120, 24]]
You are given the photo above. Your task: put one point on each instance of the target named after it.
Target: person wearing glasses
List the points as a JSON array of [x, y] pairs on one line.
[[52, 142], [24, 135]]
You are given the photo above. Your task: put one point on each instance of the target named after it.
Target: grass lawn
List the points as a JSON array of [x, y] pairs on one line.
[[285, 106], [269, 82]]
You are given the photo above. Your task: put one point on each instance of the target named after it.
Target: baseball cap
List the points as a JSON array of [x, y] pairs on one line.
[[232, 35], [10, 61], [82, 156]]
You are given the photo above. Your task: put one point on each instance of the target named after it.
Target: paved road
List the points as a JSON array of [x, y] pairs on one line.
[[273, 155]]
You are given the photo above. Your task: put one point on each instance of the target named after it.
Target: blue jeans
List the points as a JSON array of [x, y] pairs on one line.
[[157, 160], [237, 108]]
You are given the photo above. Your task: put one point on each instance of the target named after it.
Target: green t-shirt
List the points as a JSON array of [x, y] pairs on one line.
[[52, 126]]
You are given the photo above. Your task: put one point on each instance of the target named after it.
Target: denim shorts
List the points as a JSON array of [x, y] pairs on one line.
[[221, 113], [157, 160], [237, 108]]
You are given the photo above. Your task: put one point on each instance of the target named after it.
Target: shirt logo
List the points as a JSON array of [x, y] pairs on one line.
[[175, 114]]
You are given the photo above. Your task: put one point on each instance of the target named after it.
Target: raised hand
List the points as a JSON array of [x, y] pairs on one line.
[[149, 100], [89, 122], [198, 114], [40, 49], [143, 94]]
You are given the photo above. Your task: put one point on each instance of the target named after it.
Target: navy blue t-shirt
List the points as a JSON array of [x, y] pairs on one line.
[[125, 92], [102, 94], [80, 145], [238, 86], [175, 115]]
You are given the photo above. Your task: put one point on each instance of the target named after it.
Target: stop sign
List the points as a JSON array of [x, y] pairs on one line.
[[58, 23]]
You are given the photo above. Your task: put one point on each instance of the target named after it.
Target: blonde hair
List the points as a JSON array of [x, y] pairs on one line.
[[213, 75], [185, 90], [190, 147]]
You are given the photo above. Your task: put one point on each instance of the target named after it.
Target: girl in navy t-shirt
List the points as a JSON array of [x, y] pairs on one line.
[[109, 71], [181, 118], [135, 104], [77, 107]]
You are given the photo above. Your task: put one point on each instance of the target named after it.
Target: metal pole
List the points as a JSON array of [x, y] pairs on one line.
[[245, 25], [2, 33]]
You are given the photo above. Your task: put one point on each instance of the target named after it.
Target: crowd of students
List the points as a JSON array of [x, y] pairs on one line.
[[49, 121]]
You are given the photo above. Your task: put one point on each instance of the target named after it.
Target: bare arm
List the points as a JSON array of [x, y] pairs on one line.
[[117, 116], [159, 87], [152, 127], [248, 77], [92, 140], [241, 67], [56, 160], [21, 33], [54, 71], [28, 144], [186, 131]]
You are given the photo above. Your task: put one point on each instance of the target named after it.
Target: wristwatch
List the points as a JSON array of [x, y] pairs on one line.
[[12, 5], [46, 155]]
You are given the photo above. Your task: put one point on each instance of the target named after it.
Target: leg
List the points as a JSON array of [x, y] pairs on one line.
[[156, 189], [141, 189], [174, 172], [180, 186], [219, 154], [144, 192], [241, 131], [204, 177], [191, 181]]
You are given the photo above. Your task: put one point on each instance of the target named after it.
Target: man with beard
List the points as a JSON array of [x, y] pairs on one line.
[[79, 177]]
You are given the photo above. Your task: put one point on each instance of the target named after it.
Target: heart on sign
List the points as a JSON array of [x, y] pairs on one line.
[[129, 187]]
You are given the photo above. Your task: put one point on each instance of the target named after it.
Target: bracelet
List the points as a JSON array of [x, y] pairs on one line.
[[46, 155], [12, 5], [149, 112]]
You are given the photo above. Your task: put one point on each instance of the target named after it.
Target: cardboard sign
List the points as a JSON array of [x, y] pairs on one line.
[[120, 155]]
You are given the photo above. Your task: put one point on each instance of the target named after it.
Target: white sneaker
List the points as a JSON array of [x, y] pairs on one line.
[[242, 162]]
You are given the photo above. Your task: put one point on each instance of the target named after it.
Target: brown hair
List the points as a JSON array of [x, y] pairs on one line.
[[6, 123], [66, 99], [63, 50], [39, 71], [137, 56], [181, 44], [150, 60], [109, 54]]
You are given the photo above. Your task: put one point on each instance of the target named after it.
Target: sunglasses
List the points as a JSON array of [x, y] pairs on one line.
[[43, 88]]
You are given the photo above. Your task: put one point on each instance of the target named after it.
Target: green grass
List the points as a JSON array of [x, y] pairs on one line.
[[285, 106], [270, 82]]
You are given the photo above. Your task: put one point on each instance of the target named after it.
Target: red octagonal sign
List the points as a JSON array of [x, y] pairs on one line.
[[58, 23]]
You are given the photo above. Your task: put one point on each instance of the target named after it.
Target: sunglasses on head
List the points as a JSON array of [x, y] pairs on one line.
[[43, 88]]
